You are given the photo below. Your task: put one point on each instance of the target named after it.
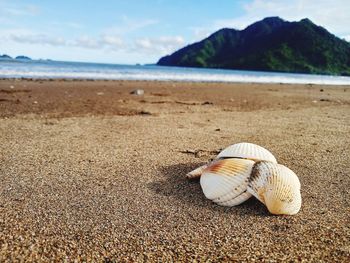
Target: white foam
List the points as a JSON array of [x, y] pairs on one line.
[[164, 74]]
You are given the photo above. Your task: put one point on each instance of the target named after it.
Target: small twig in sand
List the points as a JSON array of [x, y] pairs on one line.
[[199, 153], [14, 91]]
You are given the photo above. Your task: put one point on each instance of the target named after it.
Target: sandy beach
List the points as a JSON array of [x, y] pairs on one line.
[[91, 172]]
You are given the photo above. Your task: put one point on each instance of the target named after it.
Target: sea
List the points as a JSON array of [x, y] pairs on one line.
[[48, 69]]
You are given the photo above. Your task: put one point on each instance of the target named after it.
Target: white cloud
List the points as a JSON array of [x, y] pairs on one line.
[[160, 45], [202, 32], [127, 25], [23, 10], [26, 36], [144, 43], [112, 41], [333, 15], [157, 46], [135, 24], [71, 25], [74, 25], [38, 38], [101, 42], [85, 42]]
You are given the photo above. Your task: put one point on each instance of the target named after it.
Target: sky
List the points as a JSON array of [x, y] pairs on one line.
[[142, 31]]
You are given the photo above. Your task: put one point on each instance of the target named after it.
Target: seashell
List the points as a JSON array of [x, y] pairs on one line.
[[247, 151], [237, 200], [277, 187], [225, 181], [196, 173], [239, 150]]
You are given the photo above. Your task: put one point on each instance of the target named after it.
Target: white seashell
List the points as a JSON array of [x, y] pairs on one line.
[[223, 181], [239, 150], [277, 187], [196, 173], [237, 200], [247, 151]]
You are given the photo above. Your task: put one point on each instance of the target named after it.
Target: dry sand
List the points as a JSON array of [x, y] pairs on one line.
[[90, 172]]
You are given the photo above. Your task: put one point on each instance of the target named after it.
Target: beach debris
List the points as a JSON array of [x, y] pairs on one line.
[[12, 87], [224, 180], [12, 91], [196, 153], [138, 92], [245, 169], [100, 93], [199, 153], [159, 94], [277, 187], [143, 112], [187, 103]]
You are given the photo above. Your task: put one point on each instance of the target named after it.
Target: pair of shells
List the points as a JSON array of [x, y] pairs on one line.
[[245, 169]]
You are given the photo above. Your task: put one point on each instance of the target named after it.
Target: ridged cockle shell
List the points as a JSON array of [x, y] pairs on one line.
[[277, 187], [247, 150], [225, 181], [242, 150]]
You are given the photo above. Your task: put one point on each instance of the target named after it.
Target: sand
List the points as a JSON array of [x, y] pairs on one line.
[[90, 172]]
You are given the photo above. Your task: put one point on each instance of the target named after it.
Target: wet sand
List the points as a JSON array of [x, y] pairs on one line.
[[90, 172]]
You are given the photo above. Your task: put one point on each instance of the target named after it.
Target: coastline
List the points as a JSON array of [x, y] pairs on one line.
[[95, 71], [89, 171], [167, 81]]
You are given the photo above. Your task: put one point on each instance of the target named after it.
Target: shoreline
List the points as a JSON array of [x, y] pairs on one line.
[[165, 81]]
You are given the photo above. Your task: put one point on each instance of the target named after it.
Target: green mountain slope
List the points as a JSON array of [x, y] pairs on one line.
[[269, 45]]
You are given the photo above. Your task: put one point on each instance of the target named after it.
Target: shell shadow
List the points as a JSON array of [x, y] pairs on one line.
[[175, 185]]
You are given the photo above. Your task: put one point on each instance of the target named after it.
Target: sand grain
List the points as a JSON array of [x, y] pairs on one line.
[[85, 176]]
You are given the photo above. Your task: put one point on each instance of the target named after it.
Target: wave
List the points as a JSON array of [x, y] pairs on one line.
[[69, 70]]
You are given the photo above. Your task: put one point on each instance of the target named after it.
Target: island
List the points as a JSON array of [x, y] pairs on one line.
[[271, 44], [4, 56], [23, 58]]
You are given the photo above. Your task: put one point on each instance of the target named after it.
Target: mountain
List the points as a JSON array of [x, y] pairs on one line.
[[271, 44], [4, 56], [23, 58]]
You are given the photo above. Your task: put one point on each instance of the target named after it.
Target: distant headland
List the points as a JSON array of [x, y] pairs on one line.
[[271, 44], [21, 57]]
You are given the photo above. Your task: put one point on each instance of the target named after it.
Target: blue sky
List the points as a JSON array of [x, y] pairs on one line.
[[141, 31]]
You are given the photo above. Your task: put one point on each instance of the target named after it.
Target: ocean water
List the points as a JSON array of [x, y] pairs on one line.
[[77, 70]]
